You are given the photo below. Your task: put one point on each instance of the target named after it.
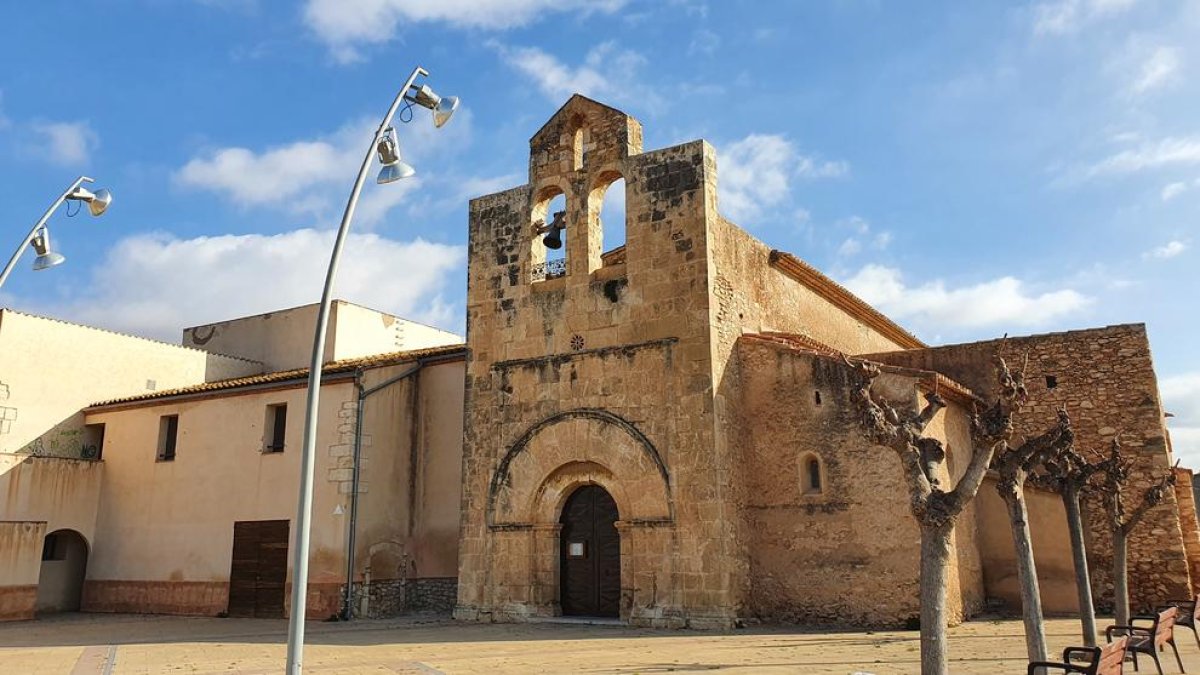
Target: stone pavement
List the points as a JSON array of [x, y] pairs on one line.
[[97, 643]]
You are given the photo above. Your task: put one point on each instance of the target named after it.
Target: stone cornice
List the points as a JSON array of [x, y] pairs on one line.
[[843, 299]]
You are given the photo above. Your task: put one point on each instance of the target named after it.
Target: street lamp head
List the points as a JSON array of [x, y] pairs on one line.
[[46, 258], [97, 201], [443, 107], [100, 203], [394, 168]]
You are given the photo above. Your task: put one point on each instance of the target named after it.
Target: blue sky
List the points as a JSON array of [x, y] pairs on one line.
[[970, 168]]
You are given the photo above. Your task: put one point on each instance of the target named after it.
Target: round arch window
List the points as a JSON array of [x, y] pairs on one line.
[[812, 476]]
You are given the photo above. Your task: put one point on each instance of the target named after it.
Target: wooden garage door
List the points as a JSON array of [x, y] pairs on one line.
[[590, 570], [259, 568]]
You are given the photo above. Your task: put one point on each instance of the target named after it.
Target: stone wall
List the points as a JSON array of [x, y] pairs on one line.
[[1105, 378], [849, 553], [431, 595], [1186, 496], [601, 376]]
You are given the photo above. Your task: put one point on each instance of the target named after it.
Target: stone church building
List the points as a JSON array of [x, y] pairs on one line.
[[664, 432], [658, 430]]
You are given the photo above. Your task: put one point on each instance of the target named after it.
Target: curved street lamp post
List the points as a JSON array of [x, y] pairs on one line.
[[39, 236], [385, 145]]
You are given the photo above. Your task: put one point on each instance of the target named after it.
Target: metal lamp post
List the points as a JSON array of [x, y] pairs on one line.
[[385, 145], [39, 236]]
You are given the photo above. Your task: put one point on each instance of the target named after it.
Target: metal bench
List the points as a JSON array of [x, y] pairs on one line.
[[1150, 639], [1106, 660], [1189, 615]]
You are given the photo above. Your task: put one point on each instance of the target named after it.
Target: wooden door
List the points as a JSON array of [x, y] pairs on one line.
[[590, 557], [258, 571]]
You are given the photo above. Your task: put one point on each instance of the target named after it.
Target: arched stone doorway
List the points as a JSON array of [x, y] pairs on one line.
[[64, 564], [590, 554]]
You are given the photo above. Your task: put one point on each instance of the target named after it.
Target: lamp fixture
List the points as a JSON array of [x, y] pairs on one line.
[[394, 168], [46, 257], [443, 107], [39, 235], [97, 201]]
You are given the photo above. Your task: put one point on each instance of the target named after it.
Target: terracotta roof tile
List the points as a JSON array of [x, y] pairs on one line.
[[333, 367]]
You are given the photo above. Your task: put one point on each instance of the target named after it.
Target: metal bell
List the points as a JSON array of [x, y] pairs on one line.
[[553, 238]]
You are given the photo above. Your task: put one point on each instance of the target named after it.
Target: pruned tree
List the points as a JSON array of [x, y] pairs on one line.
[[936, 507], [1117, 470], [1069, 474], [1014, 464]]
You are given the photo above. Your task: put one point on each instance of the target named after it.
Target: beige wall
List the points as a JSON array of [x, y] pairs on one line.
[[283, 339], [50, 370], [414, 473], [164, 531], [20, 563], [1051, 549]]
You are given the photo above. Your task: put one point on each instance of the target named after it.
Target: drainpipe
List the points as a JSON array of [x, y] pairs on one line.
[[363, 393]]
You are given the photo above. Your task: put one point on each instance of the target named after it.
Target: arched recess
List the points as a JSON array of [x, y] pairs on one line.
[[573, 448], [606, 209], [812, 475], [64, 565], [548, 263]]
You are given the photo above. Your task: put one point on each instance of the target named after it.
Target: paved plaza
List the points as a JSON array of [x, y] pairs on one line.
[[92, 643]]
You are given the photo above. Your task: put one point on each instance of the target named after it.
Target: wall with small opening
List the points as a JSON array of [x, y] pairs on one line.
[[812, 475], [817, 492], [64, 565]]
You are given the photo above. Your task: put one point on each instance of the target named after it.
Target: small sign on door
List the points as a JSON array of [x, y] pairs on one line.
[[575, 549]]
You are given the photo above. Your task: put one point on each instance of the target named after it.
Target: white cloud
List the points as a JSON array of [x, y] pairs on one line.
[[345, 25], [1058, 17], [1158, 70], [1149, 155], [66, 143], [1181, 397], [608, 73], [1000, 302], [756, 173], [849, 247], [1168, 250], [861, 237], [1173, 190], [313, 177], [156, 284]]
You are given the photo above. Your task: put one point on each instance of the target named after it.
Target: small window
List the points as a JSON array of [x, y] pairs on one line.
[[810, 479], [168, 433], [93, 442], [817, 397], [1051, 382], [276, 427]]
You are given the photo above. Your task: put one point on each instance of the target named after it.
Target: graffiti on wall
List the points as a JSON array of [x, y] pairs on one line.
[[7, 414]]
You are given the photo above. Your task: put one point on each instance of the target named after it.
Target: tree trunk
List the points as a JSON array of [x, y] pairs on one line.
[[935, 568], [1120, 577], [1083, 582], [1031, 598]]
